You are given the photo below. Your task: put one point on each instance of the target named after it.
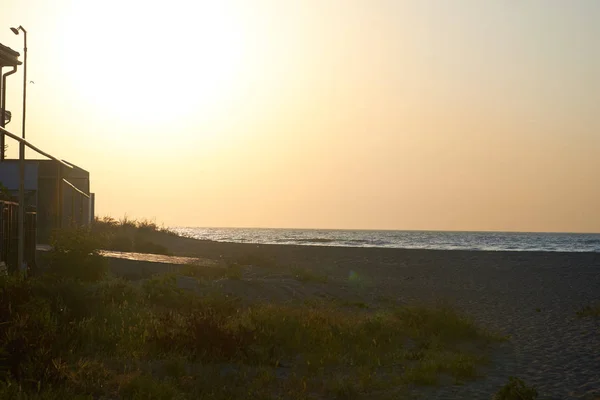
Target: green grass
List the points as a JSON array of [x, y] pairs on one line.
[[80, 335], [84, 338]]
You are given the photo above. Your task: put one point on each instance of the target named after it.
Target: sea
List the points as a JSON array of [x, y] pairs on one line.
[[439, 240]]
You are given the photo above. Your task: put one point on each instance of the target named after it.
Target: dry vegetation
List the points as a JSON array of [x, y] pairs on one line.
[[74, 332], [129, 235], [589, 311]]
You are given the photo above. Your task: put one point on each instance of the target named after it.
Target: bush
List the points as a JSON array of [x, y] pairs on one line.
[[118, 292], [129, 234], [120, 243], [144, 246], [30, 335], [162, 291], [75, 254], [516, 389], [201, 333]]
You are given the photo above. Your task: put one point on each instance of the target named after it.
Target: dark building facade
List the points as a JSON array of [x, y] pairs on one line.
[[59, 195]]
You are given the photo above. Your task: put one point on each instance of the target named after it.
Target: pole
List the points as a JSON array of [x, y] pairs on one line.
[[2, 115], [21, 217], [2, 102], [24, 80], [21, 251]]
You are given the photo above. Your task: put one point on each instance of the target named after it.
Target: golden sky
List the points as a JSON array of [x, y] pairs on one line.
[[373, 114]]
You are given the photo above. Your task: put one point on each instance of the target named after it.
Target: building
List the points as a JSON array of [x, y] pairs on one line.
[[59, 195], [56, 193]]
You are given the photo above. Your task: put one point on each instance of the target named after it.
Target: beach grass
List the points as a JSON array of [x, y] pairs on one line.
[[113, 338], [130, 235], [589, 311], [68, 334]]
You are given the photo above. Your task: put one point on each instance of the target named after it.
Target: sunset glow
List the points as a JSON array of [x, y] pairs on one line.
[[461, 115], [154, 63]]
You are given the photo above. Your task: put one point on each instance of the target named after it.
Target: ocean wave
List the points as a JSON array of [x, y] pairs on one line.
[[359, 241], [404, 239], [313, 240], [591, 241]]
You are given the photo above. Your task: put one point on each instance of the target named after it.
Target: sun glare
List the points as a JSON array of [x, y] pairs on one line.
[[150, 63]]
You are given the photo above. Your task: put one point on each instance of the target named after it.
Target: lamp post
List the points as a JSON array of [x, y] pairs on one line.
[[16, 32], [21, 216]]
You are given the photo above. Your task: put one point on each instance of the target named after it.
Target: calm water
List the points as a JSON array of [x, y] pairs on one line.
[[498, 241]]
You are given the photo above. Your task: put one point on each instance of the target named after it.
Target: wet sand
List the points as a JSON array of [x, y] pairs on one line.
[[531, 296]]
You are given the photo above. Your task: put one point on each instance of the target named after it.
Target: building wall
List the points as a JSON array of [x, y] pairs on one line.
[[45, 186], [9, 175]]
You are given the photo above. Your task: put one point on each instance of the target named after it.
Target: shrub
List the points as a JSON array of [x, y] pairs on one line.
[[67, 297], [117, 292], [146, 225], [30, 337], [127, 223], [129, 234], [516, 389], [89, 376], [201, 333], [162, 291], [145, 246], [120, 242], [75, 253]]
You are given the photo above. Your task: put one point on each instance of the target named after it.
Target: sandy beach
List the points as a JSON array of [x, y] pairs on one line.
[[532, 297]]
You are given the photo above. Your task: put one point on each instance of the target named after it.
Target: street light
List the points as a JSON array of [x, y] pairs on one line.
[[21, 217], [16, 32]]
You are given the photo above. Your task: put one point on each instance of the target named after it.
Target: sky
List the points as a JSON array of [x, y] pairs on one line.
[[350, 114]]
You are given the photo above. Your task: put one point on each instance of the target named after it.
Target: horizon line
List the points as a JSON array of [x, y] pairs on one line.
[[389, 230]]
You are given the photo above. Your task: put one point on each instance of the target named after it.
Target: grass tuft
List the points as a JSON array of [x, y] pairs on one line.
[[589, 311], [516, 389]]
